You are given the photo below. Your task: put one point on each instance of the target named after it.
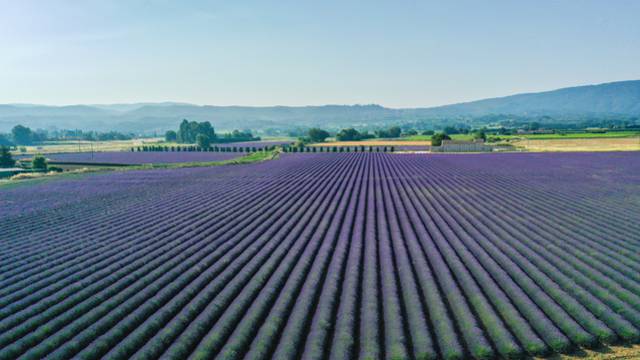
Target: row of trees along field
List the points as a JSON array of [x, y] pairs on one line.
[[350, 134], [203, 134], [313, 149], [199, 148], [23, 135]]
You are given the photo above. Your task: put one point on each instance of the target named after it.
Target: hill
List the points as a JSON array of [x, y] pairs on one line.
[[621, 97], [568, 104]]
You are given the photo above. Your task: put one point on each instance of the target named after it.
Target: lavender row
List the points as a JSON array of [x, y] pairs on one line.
[[333, 255]]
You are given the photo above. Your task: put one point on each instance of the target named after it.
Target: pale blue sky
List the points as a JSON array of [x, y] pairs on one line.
[[394, 53]]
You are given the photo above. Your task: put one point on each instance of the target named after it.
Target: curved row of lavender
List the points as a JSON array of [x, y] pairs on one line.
[[332, 255], [136, 158], [256, 144]]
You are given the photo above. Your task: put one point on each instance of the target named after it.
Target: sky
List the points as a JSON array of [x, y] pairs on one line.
[[261, 53]]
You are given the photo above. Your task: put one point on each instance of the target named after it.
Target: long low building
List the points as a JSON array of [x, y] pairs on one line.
[[462, 146]]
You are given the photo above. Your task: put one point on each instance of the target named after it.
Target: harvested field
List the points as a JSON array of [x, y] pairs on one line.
[[593, 144], [332, 255], [629, 352]]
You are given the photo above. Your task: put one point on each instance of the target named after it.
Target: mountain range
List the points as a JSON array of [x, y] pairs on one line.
[[609, 100]]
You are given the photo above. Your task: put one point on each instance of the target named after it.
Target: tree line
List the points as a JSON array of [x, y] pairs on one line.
[[350, 134], [23, 135], [203, 134]]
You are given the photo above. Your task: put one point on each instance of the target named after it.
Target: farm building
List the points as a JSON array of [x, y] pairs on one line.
[[462, 146]]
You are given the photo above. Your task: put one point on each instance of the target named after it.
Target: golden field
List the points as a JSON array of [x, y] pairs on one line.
[[607, 353], [595, 144]]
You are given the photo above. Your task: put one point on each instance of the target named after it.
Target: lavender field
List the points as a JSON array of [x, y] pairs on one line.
[[137, 158], [256, 144], [326, 256]]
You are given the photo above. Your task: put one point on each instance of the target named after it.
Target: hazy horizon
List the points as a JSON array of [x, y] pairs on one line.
[[398, 55]]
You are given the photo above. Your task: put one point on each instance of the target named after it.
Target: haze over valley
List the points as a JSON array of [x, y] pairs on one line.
[[610, 101]]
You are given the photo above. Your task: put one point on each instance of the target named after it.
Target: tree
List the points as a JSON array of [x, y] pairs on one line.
[[480, 135], [39, 163], [410, 132], [170, 136], [189, 131], [205, 128], [349, 134], [436, 140], [22, 135], [394, 131], [428, 132], [184, 132], [451, 130], [317, 135], [6, 160], [203, 141]]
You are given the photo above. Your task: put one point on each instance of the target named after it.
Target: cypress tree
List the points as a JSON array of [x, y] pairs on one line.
[[6, 160]]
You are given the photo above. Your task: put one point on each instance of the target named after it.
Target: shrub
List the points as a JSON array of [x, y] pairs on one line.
[[436, 140], [39, 163], [170, 136]]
